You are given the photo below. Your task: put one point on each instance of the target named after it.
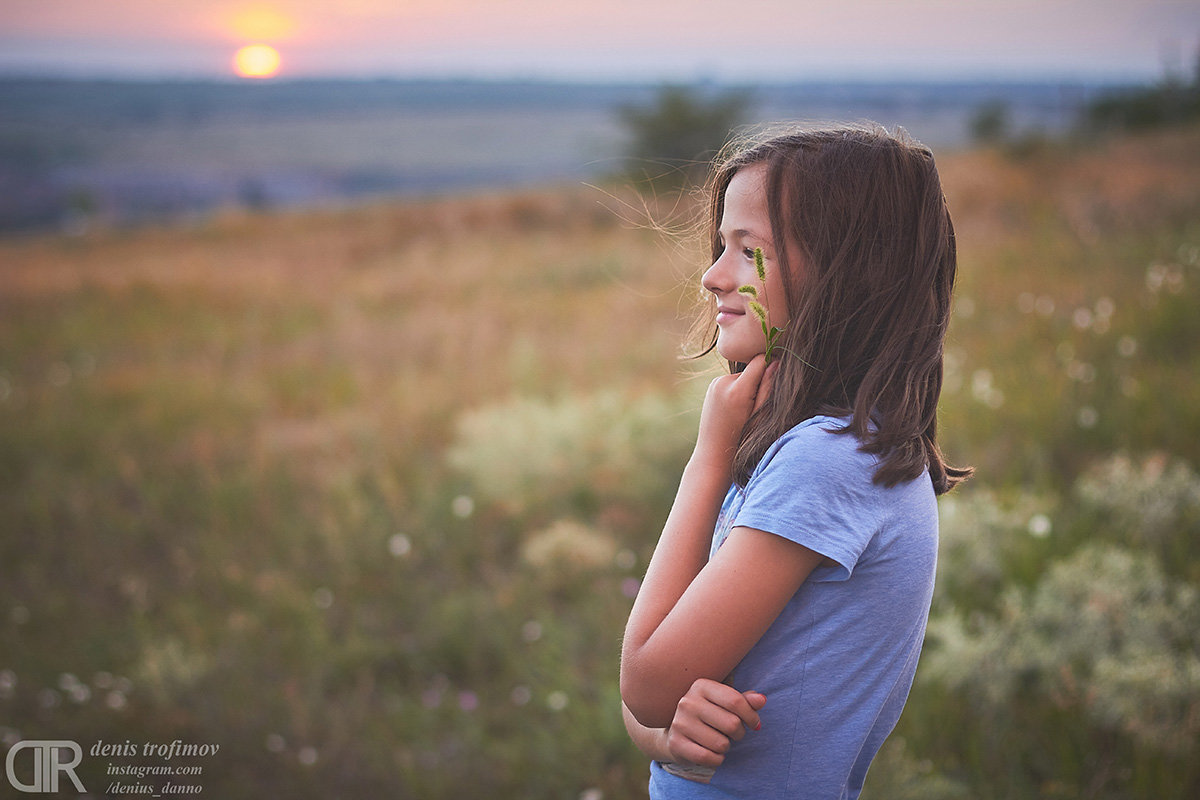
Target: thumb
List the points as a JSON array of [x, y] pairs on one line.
[[756, 700]]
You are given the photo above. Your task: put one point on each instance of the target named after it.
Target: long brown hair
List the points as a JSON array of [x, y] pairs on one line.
[[861, 212]]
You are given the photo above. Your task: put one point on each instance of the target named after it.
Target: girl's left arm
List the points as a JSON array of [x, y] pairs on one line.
[[694, 617], [709, 717]]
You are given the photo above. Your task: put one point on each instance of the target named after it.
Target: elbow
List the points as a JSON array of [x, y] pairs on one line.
[[647, 710], [648, 700]]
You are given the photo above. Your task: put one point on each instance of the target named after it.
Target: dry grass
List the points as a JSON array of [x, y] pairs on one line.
[[223, 458]]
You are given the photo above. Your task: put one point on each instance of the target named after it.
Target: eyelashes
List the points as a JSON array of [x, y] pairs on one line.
[[747, 252]]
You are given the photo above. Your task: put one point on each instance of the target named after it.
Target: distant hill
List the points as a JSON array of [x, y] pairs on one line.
[[131, 151]]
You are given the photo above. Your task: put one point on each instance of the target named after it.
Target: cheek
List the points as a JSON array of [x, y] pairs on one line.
[[742, 341], [779, 300]]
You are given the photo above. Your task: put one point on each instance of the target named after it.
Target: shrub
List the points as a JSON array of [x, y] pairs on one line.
[[576, 456], [672, 141], [1092, 676], [1153, 505]]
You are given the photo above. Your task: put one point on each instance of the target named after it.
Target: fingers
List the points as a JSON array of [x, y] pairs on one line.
[[722, 714], [730, 401], [697, 744], [765, 383], [754, 369], [708, 718], [741, 391], [732, 702], [756, 379]]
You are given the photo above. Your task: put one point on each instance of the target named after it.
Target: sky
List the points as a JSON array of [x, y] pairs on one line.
[[763, 40]]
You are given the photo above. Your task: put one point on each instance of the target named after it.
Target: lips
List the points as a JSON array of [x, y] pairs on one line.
[[727, 314]]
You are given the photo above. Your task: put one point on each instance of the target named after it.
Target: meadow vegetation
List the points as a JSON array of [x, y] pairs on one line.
[[364, 495]]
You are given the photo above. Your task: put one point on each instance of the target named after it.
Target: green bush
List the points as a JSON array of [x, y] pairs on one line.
[[672, 141], [578, 455], [1090, 680]]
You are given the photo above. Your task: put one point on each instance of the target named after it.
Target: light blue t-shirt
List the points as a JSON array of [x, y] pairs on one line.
[[838, 662]]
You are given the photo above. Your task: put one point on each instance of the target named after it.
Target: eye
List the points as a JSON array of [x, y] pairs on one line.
[[748, 252]]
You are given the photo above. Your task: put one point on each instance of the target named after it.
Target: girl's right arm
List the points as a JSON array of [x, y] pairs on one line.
[[696, 617]]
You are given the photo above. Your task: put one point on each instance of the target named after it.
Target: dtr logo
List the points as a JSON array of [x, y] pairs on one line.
[[46, 765]]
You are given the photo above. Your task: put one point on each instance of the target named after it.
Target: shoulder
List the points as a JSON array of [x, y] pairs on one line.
[[814, 466], [819, 448], [816, 486]]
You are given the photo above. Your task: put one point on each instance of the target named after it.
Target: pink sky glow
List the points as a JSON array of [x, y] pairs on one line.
[[639, 39]]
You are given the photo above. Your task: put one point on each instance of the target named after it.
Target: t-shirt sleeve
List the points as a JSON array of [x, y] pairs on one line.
[[814, 487]]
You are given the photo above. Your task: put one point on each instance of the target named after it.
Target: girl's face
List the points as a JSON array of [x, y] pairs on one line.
[[744, 226]]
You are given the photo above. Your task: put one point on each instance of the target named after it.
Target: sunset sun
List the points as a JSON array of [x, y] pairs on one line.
[[256, 61]]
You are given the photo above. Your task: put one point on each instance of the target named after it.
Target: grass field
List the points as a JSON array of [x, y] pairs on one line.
[[363, 496]]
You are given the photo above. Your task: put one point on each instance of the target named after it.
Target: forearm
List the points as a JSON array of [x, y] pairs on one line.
[[651, 741], [682, 548], [681, 553], [659, 657]]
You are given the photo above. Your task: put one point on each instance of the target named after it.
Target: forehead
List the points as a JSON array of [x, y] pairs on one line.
[[745, 206]]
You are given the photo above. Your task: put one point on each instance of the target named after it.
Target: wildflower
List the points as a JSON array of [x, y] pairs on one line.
[[531, 631], [1039, 526], [462, 506], [1087, 417], [759, 310], [399, 545]]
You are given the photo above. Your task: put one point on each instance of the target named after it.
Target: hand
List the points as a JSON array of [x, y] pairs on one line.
[[730, 401], [708, 718]]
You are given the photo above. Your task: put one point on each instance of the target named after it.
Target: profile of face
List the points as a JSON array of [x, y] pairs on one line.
[[745, 225]]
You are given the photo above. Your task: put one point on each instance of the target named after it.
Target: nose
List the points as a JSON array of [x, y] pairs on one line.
[[718, 278]]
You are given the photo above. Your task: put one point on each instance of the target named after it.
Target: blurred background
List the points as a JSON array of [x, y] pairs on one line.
[[341, 398]]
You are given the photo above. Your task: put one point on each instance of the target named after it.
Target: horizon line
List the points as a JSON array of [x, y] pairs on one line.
[[9, 73]]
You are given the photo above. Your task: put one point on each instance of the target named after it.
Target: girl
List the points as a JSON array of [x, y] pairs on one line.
[[774, 640]]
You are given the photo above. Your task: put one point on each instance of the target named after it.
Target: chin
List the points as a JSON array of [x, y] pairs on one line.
[[740, 354], [743, 347]]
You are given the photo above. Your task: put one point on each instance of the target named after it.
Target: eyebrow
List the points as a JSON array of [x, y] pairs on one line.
[[742, 233]]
